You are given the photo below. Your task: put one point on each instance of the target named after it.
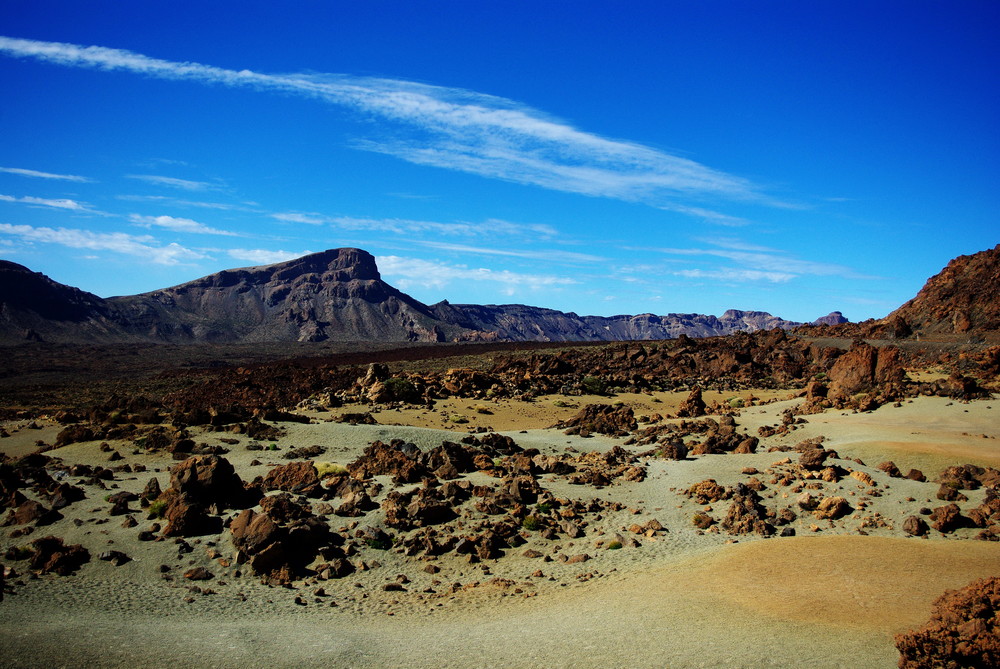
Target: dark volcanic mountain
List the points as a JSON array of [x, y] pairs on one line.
[[964, 298], [334, 295], [32, 304]]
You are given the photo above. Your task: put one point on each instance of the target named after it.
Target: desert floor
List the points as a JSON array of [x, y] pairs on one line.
[[828, 597]]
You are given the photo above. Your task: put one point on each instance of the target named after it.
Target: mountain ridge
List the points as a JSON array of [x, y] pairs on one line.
[[336, 295]]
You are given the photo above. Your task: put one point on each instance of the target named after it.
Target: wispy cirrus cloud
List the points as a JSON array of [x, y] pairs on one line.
[[549, 255], [59, 203], [406, 273], [143, 246], [487, 228], [265, 256], [163, 199], [178, 225], [44, 175], [752, 262], [173, 182], [457, 129]]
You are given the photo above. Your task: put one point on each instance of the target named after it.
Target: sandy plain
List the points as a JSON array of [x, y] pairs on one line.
[[828, 597]]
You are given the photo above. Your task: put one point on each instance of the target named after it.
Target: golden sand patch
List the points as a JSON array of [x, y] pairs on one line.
[[871, 582]]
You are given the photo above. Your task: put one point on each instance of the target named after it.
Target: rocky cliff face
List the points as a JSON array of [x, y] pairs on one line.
[[520, 322], [964, 298]]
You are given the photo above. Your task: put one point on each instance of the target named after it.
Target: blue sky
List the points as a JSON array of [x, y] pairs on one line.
[[596, 157]]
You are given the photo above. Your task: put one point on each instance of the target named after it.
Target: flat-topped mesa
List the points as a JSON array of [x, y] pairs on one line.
[[832, 318], [330, 266]]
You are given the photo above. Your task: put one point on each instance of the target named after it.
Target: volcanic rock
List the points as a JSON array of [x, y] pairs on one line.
[[297, 477], [52, 555], [964, 630]]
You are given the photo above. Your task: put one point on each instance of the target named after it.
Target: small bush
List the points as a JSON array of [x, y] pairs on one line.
[[325, 469], [593, 385], [735, 402], [272, 447], [614, 545], [482, 408], [531, 523], [544, 507], [379, 545], [157, 509], [458, 419], [402, 390], [561, 404]]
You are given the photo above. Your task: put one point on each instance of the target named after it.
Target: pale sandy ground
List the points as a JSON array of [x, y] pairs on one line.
[[829, 598]]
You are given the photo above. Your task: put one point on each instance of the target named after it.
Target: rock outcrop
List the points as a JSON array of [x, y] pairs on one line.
[[964, 630], [963, 299]]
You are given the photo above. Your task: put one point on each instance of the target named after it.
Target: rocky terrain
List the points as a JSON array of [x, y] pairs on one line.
[[336, 496], [336, 295], [765, 498]]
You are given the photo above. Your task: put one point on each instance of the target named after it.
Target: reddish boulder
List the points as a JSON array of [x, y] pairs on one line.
[[707, 491], [616, 421], [831, 508], [964, 630], [854, 371], [947, 518], [814, 458], [746, 515], [52, 555], [890, 468], [298, 477], [208, 479], [915, 526], [693, 406], [380, 459]]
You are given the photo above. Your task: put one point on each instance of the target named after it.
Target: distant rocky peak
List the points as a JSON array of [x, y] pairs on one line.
[[832, 318], [346, 264]]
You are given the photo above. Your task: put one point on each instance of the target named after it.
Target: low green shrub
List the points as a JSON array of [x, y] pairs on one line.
[[325, 469], [157, 509]]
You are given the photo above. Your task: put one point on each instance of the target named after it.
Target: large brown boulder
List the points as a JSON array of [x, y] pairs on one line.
[[282, 539], [297, 477], [380, 459], [854, 371], [616, 421], [964, 631], [948, 518], [746, 515], [693, 406], [208, 479], [52, 555], [831, 508], [707, 492]]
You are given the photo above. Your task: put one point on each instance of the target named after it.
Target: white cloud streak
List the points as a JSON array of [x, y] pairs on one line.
[[455, 129], [173, 182], [178, 225], [401, 226], [408, 272], [62, 203], [547, 255], [143, 246], [44, 175]]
